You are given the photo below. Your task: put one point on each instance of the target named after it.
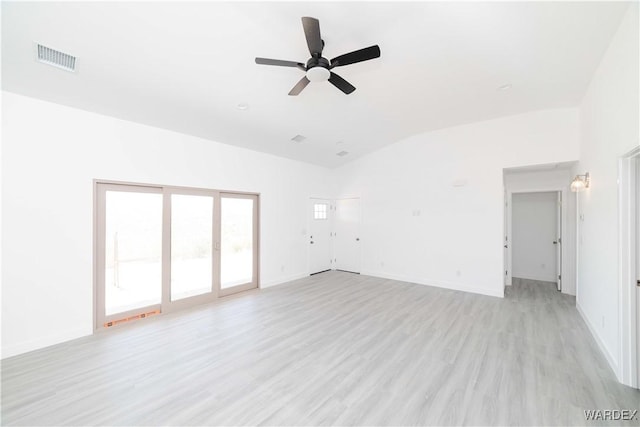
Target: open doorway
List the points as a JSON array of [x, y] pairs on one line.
[[536, 231], [550, 181]]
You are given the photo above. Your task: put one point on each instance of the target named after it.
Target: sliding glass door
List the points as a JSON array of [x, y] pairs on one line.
[[190, 257], [131, 252], [239, 263], [160, 249]]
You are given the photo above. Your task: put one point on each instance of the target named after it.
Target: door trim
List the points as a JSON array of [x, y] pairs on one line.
[[628, 365]]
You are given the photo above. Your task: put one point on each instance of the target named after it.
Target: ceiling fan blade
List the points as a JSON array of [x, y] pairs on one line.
[[365, 54], [281, 63], [312, 33], [341, 83], [298, 87]]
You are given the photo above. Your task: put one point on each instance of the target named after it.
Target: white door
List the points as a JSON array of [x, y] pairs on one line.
[[319, 235], [347, 235], [559, 240], [534, 235]]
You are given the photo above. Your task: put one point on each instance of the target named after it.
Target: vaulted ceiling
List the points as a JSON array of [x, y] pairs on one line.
[[187, 66]]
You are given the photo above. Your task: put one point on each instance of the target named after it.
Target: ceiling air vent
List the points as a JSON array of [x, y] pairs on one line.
[[56, 58], [298, 138], [342, 153]]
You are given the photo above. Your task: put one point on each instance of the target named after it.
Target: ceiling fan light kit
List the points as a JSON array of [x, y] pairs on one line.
[[318, 74], [317, 68]]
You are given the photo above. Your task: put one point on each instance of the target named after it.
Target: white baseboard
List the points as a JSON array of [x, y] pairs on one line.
[[281, 281], [603, 348], [498, 292], [41, 342]]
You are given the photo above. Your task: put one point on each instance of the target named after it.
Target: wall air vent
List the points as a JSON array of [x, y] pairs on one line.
[[58, 59], [342, 153]]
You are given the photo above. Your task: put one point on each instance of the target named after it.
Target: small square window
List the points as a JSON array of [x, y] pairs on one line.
[[320, 211]]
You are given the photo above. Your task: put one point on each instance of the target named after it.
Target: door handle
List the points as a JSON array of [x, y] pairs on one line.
[[506, 247], [638, 283], [555, 242], [357, 239]]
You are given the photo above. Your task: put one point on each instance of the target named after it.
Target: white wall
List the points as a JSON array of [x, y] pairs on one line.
[[52, 153], [433, 203], [534, 229], [609, 118], [560, 180]]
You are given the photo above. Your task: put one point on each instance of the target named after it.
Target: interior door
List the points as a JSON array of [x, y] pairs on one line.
[[347, 235], [319, 235], [559, 240]]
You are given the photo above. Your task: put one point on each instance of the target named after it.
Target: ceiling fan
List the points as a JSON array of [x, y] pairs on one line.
[[317, 68]]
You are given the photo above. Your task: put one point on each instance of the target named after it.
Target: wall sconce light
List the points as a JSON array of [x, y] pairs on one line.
[[580, 182]]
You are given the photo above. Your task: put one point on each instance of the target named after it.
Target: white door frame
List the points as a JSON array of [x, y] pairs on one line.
[[628, 333], [563, 232]]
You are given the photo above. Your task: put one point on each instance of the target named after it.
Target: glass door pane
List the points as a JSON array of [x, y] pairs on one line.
[[133, 251], [237, 241], [191, 245]]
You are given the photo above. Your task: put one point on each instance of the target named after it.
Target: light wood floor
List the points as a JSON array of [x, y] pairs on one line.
[[331, 349]]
